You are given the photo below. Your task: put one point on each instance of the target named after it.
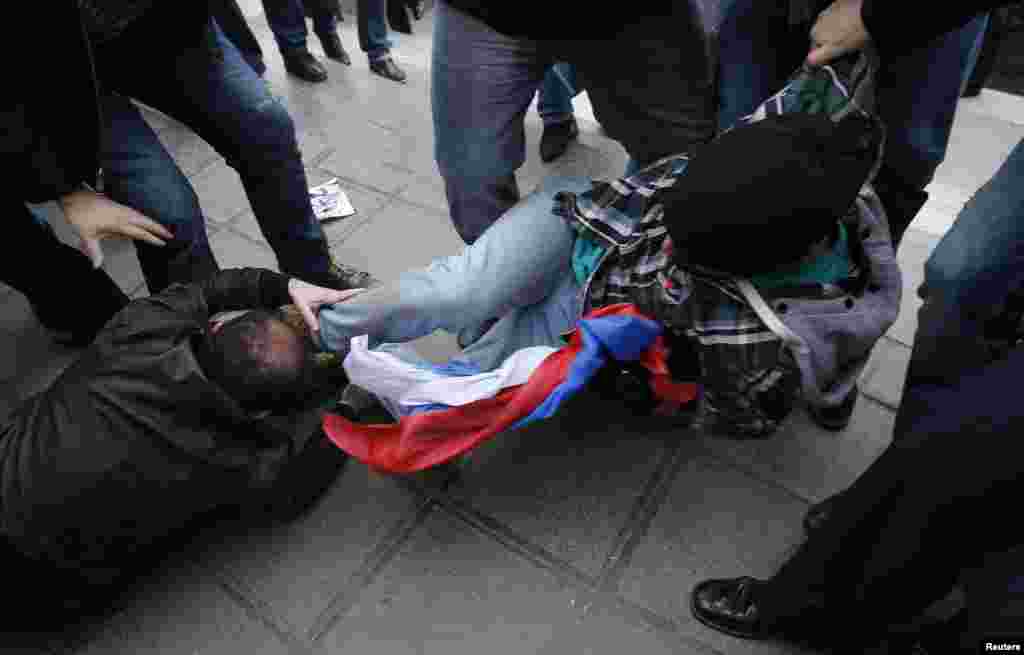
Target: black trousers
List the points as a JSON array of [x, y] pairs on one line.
[[942, 500]]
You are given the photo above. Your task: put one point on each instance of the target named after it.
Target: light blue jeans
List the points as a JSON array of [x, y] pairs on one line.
[[520, 269]]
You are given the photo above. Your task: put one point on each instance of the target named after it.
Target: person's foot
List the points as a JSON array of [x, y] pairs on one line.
[[359, 405], [333, 48], [556, 138], [731, 606], [836, 418], [818, 513], [387, 67], [343, 277], [301, 63]]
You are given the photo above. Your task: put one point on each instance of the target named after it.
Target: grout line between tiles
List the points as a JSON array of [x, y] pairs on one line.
[[372, 565]]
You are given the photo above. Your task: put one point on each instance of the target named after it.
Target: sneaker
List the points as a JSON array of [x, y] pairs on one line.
[[836, 418], [386, 67]]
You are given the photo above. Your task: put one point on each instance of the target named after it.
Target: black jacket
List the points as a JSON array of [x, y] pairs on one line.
[[133, 441], [50, 130]]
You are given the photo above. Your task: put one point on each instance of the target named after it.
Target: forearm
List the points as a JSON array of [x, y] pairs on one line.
[[245, 288]]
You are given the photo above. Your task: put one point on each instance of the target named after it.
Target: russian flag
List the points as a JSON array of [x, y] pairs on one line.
[[445, 412]]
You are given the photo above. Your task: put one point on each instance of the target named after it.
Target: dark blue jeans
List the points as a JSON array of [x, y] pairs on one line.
[[287, 20], [232, 109], [554, 98], [288, 23]]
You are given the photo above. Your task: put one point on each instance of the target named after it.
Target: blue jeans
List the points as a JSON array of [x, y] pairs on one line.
[[372, 24], [231, 108], [482, 83], [967, 280], [287, 20], [519, 270], [917, 92], [554, 98]]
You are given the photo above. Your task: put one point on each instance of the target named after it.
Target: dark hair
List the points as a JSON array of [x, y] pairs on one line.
[[260, 361]]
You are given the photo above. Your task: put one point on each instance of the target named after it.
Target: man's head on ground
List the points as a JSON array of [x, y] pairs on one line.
[[759, 197], [260, 361]]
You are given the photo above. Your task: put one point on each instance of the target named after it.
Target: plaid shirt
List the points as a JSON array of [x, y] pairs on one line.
[[750, 380]]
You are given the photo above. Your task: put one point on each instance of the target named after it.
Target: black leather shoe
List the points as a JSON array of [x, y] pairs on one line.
[[343, 277], [730, 606], [555, 139], [386, 67], [818, 513], [302, 64], [836, 418], [360, 406], [333, 48]]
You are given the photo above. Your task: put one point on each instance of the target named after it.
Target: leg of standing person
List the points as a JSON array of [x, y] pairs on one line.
[[140, 173], [287, 20], [917, 97], [374, 39], [230, 107], [482, 83], [325, 24], [67, 294], [928, 509], [520, 269], [554, 105], [651, 85]]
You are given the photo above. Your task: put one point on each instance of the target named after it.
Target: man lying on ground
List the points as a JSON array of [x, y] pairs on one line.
[[766, 254], [166, 418]]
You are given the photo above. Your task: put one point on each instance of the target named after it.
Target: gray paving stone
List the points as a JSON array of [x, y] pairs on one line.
[[450, 591], [314, 145], [599, 631], [426, 193], [887, 372], [298, 569], [567, 484], [368, 170], [977, 147], [121, 262], [810, 462], [190, 153], [365, 202], [716, 522], [914, 251], [233, 250], [400, 237], [221, 194], [184, 612]]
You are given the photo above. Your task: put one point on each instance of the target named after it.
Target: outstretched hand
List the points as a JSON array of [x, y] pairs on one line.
[[95, 217], [839, 30], [309, 299]]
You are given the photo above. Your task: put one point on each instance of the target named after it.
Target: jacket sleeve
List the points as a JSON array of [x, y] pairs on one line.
[[244, 288], [29, 158], [896, 27]]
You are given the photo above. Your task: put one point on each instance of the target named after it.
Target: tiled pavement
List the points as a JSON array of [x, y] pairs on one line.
[[582, 534]]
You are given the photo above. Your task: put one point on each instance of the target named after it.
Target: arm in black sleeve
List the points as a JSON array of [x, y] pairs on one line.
[[896, 27], [245, 288]]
